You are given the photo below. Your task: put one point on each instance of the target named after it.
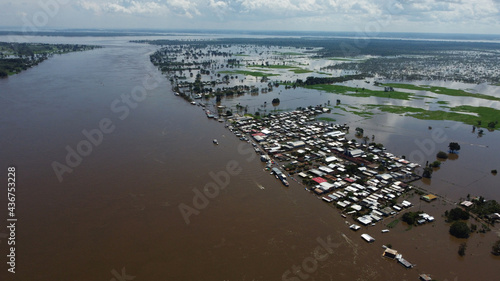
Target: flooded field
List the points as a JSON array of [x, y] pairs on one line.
[[117, 213]]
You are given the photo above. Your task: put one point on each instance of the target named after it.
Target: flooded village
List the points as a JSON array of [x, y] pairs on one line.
[[370, 187]]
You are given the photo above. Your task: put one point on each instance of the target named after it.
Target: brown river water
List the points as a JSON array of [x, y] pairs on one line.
[[117, 214]]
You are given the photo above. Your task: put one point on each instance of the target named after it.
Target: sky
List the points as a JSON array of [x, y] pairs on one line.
[[427, 16]]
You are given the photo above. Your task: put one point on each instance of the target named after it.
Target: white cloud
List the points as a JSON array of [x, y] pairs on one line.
[[181, 7], [480, 16]]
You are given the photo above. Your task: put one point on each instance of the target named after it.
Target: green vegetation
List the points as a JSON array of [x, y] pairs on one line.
[[456, 214], [327, 119], [293, 69], [452, 115], [460, 229], [248, 73], [358, 92], [483, 208], [273, 66], [442, 155], [442, 102], [16, 57], [495, 249], [411, 217], [345, 59], [393, 223], [442, 91], [454, 147], [436, 164], [461, 249], [289, 54], [301, 70]]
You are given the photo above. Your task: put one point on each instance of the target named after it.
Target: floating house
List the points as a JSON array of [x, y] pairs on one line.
[[367, 238], [428, 197]]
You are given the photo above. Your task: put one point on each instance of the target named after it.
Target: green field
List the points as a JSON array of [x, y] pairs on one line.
[[442, 91], [327, 119], [248, 73], [274, 66], [301, 70], [358, 92], [483, 114], [289, 54]]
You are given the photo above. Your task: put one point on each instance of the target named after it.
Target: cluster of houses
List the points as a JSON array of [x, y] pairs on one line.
[[361, 179]]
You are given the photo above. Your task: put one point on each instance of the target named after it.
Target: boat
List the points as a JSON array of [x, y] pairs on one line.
[[193, 103], [285, 182], [215, 141]]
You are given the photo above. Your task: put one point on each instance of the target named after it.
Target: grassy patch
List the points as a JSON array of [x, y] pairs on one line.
[[442, 91], [393, 223], [327, 119], [324, 73], [274, 66], [301, 70], [289, 54], [442, 102], [248, 73], [484, 114], [346, 59], [294, 69], [359, 92]]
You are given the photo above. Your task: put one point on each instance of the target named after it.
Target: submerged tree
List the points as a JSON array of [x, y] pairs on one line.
[[495, 249], [427, 172], [461, 249], [454, 147], [460, 229]]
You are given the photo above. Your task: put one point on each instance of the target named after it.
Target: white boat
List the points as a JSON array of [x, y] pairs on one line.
[[215, 141]]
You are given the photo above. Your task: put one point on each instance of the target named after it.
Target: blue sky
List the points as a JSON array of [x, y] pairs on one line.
[[442, 16]]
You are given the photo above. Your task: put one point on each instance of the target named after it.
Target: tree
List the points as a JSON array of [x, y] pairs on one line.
[[410, 217], [427, 172], [436, 164], [460, 229], [442, 155], [359, 131], [276, 101], [461, 249], [495, 249], [456, 214], [454, 147]]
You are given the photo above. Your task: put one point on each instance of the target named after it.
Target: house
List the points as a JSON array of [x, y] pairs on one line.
[[367, 238], [467, 204], [425, 277], [428, 197], [390, 253]]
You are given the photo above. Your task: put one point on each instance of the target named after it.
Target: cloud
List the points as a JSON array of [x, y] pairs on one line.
[[478, 16], [180, 7]]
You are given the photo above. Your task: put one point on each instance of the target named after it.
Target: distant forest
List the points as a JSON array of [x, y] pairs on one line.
[[344, 47]]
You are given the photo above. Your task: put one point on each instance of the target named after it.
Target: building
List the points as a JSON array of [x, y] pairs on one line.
[[428, 197], [367, 238], [390, 253], [425, 277]]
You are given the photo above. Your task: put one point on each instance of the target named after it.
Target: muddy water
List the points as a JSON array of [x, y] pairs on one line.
[[116, 215]]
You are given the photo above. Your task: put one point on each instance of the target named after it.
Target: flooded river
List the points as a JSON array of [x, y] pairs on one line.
[[118, 179]]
